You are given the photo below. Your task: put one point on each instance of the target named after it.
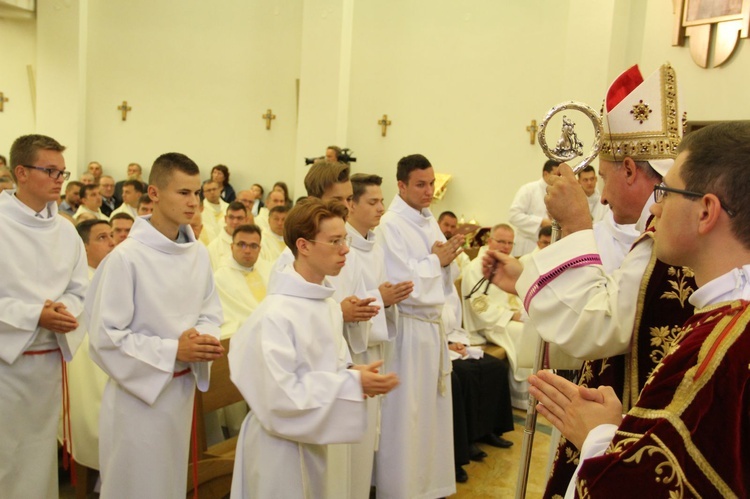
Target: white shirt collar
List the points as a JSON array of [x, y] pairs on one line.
[[734, 285]]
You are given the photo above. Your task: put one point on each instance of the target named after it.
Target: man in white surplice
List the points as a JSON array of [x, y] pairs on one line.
[[292, 365], [415, 458], [220, 249], [155, 318], [43, 269], [587, 179], [86, 381], [273, 237], [528, 213], [214, 209], [366, 210], [242, 280]]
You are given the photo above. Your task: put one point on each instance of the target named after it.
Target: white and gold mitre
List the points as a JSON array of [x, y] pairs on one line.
[[642, 119]]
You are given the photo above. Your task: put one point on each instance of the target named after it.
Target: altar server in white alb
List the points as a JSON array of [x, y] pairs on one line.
[[86, 381], [155, 318], [292, 365], [367, 208], [43, 269], [415, 459]]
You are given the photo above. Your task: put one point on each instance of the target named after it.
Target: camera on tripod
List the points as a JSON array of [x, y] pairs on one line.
[[343, 156]]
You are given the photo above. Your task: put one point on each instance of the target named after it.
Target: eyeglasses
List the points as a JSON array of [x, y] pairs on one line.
[[661, 190], [243, 245], [344, 241], [53, 173]]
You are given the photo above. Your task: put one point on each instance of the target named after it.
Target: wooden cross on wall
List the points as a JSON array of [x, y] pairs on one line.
[[3, 100], [124, 108], [384, 123], [532, 129], [268, 117]]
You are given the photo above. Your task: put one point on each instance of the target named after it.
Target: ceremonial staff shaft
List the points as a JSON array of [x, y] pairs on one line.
[[568, 147]]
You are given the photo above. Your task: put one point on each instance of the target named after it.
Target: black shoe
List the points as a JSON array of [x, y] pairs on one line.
[[497, 441], [461, 475], [476, 454]]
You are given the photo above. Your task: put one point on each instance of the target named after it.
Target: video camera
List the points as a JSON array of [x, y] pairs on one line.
[[345, 156]]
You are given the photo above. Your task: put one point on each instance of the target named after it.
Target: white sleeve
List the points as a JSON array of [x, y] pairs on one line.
[[290, 401], [596, 444], [141, 362], [573, 303]]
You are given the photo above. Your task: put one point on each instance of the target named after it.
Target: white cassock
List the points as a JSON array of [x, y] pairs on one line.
[[289, 360], [371, 262], [86, 382], [271, 246], [145, 294], [125, 208], [237, 299], [213, 218], [596, 208], [220, 250], [415, 459], [526, 214], [42, 259], [584, 297]]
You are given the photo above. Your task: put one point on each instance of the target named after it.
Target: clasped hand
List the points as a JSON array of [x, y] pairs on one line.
[[195, 347], [572, 409]]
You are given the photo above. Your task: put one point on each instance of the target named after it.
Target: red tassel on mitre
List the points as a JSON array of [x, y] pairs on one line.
[[628, 81]]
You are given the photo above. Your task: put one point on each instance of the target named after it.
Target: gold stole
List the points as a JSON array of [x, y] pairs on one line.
[[255, 283]]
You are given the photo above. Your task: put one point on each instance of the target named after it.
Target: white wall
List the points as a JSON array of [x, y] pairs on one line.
[[198, 76], [18, 115]]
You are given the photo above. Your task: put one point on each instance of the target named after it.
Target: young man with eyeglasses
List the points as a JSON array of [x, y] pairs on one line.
[[242, 282], [44, 279], [626, 322], [220, 249], [688, 432], [293, 367]]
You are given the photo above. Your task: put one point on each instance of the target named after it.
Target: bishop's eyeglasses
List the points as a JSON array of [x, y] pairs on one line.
[[53, 173]]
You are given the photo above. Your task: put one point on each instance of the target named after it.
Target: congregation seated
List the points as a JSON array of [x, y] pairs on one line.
[[448, 223], [214, 210], [275, 198], [220, 175], [273, 238], [219, 250], [134, 172], [131, 191], [91, 202], [107, 192], [496, 317], [145, 205], [121, 225]]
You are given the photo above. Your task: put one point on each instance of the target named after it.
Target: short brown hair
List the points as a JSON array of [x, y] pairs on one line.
[[322, 176], [305, 218], [361, 181], [247, 229], [25, 149], [168, 163], [718, 162]]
